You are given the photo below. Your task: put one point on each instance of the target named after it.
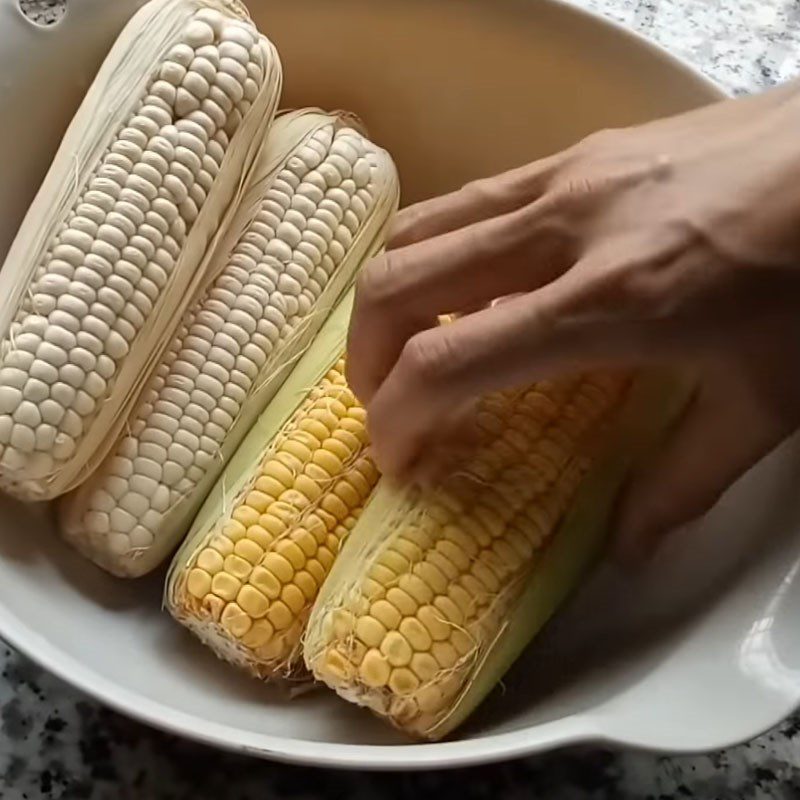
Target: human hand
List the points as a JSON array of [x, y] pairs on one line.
[[676, 240]]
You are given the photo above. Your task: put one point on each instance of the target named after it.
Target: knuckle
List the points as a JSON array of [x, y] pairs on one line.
[[617, 291], [600, 141], [484, 192], [430, 356], [406, 226], [576, 186], [576, 189], [376, 286], [640, 292], [587, 163]]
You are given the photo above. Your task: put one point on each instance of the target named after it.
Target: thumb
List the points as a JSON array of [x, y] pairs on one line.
[[724, 433]]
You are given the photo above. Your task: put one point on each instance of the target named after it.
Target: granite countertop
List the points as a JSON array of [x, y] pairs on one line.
[[56, 743]]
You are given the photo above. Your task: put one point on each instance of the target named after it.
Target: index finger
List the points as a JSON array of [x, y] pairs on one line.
[[403, 291], [473, 202]]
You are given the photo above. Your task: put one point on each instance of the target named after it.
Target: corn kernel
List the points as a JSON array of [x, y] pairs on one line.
[[432, 576], [416, 633], [334, 505], [260, 537], [396, 648], [386, 614], [225, 586], [210, 560], [198, 583], [448, 610], [238, 567], [258, 501], [234, 530], [416, 587], [403, 681], [294, 598], [453, 554], [347, 494], [274, 469], [374, 670], [316, 570], [269, 486], [297, 449], [213, 606], [430, 617], [222, 544], [252, 601], [309, 488], [248, 549], [306, 583], [235, 621], [280, 615], [336, 448], [291, 552], [246, 516], [329, 461], [402, 601], [272, 524], [444, 565], [261, 632], [266, 582], [424, 666], [279, 566], [430, 699], [370, 631], [395, 562], [445, 654]]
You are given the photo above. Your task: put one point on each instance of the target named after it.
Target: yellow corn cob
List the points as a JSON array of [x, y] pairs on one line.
[[113, 246], [323, 207], [245, 579], [416, 619]]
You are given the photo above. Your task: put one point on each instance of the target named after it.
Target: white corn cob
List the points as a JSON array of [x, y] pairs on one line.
[[113, 247], [329, 196]]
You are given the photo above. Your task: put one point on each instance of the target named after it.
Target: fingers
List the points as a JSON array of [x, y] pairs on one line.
[[404, 291], [456, 443], [477, 201], [511, 344], [725, 432]]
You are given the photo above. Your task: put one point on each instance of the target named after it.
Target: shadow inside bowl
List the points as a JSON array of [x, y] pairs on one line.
[[39, 546], [622, 625]]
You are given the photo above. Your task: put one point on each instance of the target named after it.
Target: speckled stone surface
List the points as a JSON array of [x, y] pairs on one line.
[[56, 743]]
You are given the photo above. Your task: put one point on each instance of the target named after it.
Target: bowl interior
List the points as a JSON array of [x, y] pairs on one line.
[[455, 90]]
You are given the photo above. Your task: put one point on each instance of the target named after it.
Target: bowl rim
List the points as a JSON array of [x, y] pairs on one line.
[[583, 728]]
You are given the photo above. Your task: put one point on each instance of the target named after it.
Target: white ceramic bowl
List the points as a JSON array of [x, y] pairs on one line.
[[700, 652]]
